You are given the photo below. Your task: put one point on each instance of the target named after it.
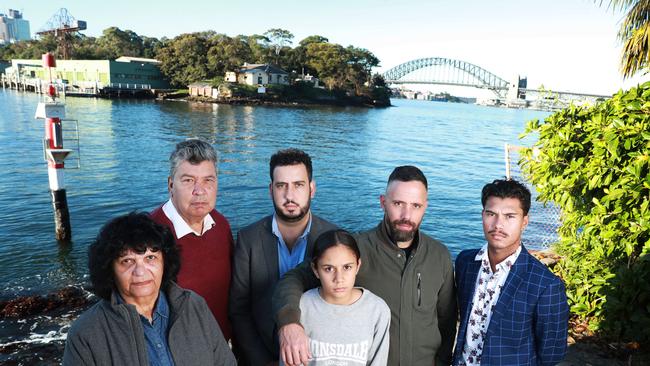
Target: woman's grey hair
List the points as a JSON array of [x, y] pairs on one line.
[[194, 150]]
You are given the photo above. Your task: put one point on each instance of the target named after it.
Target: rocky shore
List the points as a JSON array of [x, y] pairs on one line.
[[283, 101], [33, 328], [367, 103]]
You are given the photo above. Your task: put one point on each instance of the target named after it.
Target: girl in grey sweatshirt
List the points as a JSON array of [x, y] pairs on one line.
[[346, 325]]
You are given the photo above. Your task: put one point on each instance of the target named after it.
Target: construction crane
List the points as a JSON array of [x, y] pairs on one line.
[[63, 26]]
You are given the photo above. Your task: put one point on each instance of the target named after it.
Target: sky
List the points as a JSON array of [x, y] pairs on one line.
[[564, 45]]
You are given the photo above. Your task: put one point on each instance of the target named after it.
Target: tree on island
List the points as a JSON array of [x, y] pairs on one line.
[[184, 59], [297, 58], [359, 70], [339, 67], [258, 44], [228, 53], [115, 42], [279, 39]]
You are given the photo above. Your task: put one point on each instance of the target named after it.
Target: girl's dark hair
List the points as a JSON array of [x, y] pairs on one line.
[[135, 231], [332, 238]]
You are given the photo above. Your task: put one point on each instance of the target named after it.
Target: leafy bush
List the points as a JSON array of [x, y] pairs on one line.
[[216, 81], [241, 90], [594, 163]]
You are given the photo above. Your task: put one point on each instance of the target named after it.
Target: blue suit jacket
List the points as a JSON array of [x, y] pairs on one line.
[[530, 320]]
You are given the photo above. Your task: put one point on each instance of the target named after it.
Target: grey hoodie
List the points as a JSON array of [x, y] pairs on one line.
[[355, 334]]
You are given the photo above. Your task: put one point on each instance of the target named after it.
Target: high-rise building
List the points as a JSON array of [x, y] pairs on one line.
[[13, 27]]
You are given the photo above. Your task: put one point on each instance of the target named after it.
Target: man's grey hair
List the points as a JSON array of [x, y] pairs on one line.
[[194, 151]]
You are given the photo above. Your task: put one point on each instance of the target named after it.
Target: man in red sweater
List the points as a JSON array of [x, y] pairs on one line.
[[202, 234]]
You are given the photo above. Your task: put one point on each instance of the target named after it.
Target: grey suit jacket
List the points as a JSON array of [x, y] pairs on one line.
[[255, 271]]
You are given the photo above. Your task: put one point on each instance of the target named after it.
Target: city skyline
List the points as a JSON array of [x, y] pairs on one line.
[[564, 45]]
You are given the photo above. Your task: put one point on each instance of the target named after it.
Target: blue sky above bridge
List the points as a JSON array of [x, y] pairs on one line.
[[563, 44]]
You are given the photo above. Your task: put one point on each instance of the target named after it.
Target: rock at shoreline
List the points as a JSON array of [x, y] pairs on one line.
[[66, 298], [547, 256], [358, 101]]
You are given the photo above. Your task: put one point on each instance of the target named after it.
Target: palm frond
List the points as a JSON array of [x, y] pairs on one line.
[[636, 51], [618, 5], [636, 17], [634, 34]]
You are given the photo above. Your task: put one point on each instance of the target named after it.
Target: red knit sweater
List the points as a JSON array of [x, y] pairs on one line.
[[205, 264]]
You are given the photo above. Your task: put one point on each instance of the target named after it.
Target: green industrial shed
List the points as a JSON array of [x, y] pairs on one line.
[[122, 73]]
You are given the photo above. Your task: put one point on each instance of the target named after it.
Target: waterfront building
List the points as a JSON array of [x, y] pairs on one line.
[[311, 80], [122, 73], [201, 89], [13, 27], [258, 74]]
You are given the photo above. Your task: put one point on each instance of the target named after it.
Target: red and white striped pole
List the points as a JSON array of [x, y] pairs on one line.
[[55, 154]]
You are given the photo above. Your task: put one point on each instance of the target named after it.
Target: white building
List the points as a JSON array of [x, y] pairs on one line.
[[258, 74], [311, 79], [13, 27]]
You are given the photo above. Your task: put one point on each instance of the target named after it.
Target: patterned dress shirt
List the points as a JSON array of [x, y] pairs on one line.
[[486, 294]]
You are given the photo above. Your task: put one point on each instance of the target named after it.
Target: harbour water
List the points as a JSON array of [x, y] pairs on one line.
[[124, 146]]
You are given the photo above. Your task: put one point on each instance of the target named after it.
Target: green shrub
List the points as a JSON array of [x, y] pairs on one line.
[[216, 81], [594, 163], [241, 90]]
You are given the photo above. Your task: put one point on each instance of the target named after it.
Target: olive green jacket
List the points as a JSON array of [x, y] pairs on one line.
[[419, 291]]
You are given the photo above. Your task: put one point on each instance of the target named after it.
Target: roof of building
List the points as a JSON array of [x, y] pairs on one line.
[[268, 68], [137, 59], [201, 84]]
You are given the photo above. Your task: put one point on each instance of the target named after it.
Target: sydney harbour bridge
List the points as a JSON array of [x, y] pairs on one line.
[[446, 71]]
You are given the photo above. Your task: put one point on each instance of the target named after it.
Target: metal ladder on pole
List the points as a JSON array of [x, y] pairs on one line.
[[71, 141]]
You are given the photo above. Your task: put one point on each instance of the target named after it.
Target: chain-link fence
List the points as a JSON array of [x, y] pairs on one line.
[[544, 220]]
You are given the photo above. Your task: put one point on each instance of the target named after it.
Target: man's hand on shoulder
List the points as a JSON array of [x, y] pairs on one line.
[[294, 345]]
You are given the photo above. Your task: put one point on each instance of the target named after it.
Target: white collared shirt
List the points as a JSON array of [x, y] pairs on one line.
[[486, 294], [180, 226]]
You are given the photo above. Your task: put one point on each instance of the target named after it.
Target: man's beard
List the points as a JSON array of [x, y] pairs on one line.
[[400, 235], [296, 216]]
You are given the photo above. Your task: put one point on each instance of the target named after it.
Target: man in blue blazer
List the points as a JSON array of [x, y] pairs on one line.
[[513, 310]]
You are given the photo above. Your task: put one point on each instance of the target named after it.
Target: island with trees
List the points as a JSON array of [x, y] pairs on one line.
[[344, 73]]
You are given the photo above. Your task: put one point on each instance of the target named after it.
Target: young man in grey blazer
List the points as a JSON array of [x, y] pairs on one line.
[[266, 250]]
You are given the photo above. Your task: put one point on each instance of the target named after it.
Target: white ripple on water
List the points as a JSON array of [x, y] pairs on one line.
[[37, 338]]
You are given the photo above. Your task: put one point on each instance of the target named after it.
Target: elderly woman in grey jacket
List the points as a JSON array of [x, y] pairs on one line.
[[143, 317]]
